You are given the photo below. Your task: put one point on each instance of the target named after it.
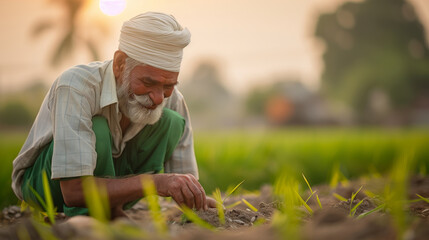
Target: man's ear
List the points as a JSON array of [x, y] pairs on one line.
[[119, 63]]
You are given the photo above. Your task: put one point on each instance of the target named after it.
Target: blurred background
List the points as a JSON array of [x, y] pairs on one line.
[[297, 85]]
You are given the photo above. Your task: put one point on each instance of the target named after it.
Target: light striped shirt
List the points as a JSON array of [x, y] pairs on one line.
[[66, 115]]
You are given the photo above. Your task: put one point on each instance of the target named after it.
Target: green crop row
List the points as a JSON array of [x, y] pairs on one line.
[[259, 157]]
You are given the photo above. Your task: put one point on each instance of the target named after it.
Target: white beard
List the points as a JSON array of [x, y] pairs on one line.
[[134, 106]]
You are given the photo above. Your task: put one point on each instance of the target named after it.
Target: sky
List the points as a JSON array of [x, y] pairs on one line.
[[251, 41]]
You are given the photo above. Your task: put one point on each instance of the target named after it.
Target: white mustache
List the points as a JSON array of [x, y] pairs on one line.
[[143, 100]]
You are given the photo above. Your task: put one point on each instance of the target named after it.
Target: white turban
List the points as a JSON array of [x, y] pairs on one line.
[[156, 39]]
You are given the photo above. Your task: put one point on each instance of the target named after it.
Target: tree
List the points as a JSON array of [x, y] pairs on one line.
[[15, 114], [70, 30], [376, 57]]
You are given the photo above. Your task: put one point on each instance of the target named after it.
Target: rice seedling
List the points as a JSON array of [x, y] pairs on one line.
[[47, 203], [149, 191], [378, 208], [230, 192], [233, 204], [304, 203], [248, 204], [339, 197], [423, 198], [219, 205], [193, 217], [287, 220], [96, 199], [312, 192], [50, 209], [396, 192], [353, 209]]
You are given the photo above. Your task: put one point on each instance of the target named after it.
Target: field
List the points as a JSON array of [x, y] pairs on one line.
[[226, 158], [340, 161]]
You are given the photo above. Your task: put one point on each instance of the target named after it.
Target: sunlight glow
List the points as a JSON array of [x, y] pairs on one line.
[[112, 7]]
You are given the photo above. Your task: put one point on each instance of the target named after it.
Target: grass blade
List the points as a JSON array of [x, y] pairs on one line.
[[193, 217], [96, 199], [39, 198], [423, 198], [354, 194], [233, 205], [339, 197], [249, 205], [308, 184], [150, 193], [353, 210], [309, 197], [50, 209], [219, 205], [318, 201], [232, 191], [371, 211], [304, 203]]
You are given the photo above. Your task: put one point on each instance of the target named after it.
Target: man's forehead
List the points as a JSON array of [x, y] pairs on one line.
[[147, 71]]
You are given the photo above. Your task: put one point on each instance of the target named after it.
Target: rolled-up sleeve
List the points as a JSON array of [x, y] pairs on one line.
[[74, 141], [183, 159]]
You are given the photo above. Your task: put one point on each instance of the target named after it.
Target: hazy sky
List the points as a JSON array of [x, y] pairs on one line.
[[250, 40]]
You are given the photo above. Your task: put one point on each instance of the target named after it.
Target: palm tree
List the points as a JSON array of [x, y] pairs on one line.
[[72, 35]]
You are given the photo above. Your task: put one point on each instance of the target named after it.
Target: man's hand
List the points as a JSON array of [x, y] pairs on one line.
[[184, 189]]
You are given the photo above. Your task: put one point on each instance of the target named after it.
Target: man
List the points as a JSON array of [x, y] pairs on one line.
[[119, 121]]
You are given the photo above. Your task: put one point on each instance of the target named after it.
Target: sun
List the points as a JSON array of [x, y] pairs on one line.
[[112, 7]]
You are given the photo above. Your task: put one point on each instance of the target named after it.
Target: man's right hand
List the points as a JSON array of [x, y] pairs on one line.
[[184, 189]]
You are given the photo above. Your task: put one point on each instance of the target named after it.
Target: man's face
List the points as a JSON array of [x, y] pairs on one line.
[[142, 92]]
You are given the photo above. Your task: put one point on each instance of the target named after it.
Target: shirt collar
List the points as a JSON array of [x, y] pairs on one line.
[[108, 92]]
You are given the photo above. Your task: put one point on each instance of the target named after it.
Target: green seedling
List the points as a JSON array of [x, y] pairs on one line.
[[339, 197], [353, 209], [149, 191], [287, 220], [304, 203], [370, 194], [248, 204], [232, 191], [233, 205], [396, 192], [219, 205], [423, 198], [96, 199], [220, 202], [312, 192], [47, 203], [50, 209], [193, 217], [372, 211]]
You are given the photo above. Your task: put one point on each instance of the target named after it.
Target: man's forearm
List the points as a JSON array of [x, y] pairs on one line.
[[183, 188], [120, 191]]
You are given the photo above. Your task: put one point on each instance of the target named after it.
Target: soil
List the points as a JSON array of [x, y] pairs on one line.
[[331, 222]]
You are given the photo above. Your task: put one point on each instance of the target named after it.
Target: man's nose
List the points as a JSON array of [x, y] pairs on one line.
[[157, 96]]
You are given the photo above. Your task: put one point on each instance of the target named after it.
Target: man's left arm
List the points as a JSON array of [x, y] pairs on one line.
[[183, 159]]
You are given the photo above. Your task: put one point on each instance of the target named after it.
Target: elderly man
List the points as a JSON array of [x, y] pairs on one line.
[[122, 117]]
